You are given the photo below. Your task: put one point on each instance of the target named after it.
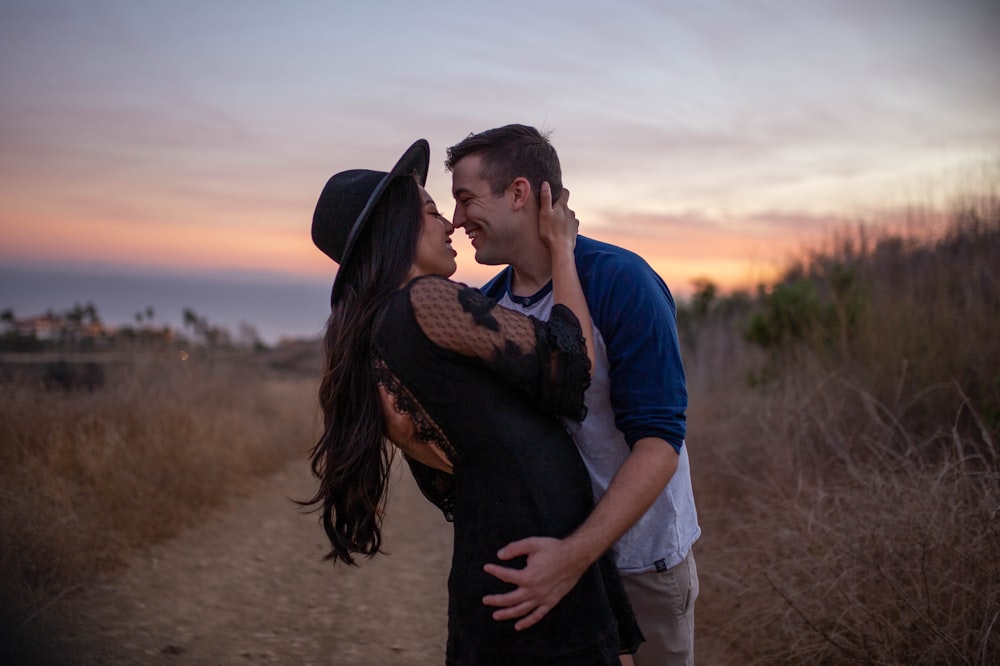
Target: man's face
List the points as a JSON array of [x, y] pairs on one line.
[[489, 221]]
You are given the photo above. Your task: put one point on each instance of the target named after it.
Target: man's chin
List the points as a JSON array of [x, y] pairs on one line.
[[486, 259]]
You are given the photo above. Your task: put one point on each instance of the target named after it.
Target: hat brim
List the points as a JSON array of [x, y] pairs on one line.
[[415, 161]]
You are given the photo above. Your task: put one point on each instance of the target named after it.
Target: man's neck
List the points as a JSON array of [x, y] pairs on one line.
[[531, 275]]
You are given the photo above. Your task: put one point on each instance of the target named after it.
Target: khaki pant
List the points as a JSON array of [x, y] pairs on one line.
[[663, 602]]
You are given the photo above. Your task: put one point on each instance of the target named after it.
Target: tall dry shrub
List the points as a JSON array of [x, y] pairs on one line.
[[86, 478], [850, 497], [907, 317]]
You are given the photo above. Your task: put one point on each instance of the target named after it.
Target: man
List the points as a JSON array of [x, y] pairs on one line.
[[633, 437]]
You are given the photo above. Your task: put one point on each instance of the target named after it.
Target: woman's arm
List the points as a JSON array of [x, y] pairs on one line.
[[558, 226], [400, 430], [545, 360]]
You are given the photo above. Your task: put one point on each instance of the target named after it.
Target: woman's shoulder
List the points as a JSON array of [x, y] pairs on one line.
[[419, 293], [431, 286], [428, 296], [438, 303], [422, 281]]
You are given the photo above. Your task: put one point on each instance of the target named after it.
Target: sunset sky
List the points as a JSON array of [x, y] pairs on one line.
[[712, 137]]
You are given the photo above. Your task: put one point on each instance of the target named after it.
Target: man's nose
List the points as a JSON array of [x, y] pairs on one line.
[[458, 218]]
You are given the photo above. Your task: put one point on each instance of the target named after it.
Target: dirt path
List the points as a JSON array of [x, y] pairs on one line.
[[249, 587]]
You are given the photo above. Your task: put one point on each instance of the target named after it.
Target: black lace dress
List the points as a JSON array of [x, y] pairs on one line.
[[484, 383]]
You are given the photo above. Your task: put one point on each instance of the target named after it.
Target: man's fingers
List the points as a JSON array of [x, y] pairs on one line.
[[563, 197], [514, 612], [518, 548], [505, 600], [545, 196], [507, 575], [532, 619]]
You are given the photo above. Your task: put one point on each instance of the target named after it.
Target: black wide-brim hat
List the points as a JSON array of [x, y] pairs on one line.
[[347, 201]]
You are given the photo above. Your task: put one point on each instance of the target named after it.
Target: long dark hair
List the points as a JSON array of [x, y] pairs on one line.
[[352, 459]]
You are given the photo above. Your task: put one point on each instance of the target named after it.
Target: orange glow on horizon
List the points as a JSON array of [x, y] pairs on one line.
[[734, 253], [729, 262]]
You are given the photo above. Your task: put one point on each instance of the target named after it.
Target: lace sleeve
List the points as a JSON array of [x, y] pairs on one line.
[[437, 486], [547, 360]]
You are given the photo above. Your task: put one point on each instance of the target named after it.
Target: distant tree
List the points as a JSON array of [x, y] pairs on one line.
[[196, 324], [90, 313], [75, 314], [693, 313], [8, 324], [248, 336], [788, 314], [705, 292], [190, 319], [217, 336], [213, 336]]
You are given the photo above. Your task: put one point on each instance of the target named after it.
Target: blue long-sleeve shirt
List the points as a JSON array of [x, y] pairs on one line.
[[637, 390]]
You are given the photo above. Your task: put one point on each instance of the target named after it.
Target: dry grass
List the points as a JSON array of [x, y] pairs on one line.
[[88, 478], [825, 542], [851, 503]]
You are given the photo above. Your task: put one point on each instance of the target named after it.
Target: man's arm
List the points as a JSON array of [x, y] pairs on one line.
[[555, 565], [649, 398]]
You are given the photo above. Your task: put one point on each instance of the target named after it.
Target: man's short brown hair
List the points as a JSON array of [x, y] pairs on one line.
[[510, 152]]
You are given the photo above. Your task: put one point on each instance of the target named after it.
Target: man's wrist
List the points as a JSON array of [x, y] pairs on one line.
[[562, 257], [582, 550]]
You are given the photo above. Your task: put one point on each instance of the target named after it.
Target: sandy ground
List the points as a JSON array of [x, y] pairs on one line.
[[249, 587]]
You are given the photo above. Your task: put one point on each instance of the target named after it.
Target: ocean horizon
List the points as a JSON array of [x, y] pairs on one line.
[[278, 306]]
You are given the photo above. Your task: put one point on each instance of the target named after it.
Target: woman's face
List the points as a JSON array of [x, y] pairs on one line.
[[435, 255]]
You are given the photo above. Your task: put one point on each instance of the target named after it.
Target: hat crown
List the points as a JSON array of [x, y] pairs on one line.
[[339, 209], [347, 201]]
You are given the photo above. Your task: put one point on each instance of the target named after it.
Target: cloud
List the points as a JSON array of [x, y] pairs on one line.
[[701, 233], [709, 136]]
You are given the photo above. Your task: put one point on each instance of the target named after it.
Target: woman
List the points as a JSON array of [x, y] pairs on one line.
[[482, 385]]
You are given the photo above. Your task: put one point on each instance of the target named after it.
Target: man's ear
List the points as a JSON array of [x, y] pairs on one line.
[[521, 192]]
